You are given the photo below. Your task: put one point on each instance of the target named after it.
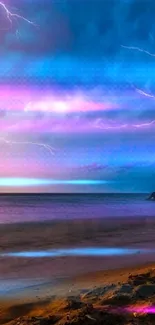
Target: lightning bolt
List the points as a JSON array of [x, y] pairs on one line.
[[122, 126], [99, 125], [143, 124], [47, 147], [12, 16], [144, 93], [148, 53], [116, 127], [138, 49]]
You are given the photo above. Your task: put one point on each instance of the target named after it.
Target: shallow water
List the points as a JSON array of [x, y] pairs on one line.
[[57, 207], [90, 223]]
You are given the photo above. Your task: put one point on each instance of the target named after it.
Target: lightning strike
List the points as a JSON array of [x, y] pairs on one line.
[[122, 126], [134, 48], [144, 93], [143, 124], [12, 16], [43, 145], [116, 127], [99, 125]]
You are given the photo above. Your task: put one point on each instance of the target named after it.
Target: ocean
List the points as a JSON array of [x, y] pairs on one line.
[[47, 238], [41, 208]]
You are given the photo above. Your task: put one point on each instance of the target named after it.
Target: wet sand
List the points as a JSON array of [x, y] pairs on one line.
[[96, 288], [29, 285], [17, 274]]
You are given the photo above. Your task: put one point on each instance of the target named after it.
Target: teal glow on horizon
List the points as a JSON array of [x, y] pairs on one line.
[[28, 182]]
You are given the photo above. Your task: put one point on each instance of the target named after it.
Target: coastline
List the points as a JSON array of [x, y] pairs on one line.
[[90, 286], [50, 282]]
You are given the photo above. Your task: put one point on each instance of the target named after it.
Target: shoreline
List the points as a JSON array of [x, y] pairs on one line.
[[86, 281], [49, 298], [109, 219]]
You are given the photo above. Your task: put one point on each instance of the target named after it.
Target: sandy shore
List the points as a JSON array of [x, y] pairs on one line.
[[120, 233], [67, 303], [41, 287]]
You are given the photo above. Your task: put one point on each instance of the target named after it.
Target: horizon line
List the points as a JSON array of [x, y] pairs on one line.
[[69, 193]]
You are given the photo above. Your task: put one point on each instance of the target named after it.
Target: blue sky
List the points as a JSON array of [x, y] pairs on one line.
[[77, 96]]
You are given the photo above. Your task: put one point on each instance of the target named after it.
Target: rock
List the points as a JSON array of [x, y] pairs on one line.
[[100, 318], [74, 302], [50, 320], [145, 291], [118, 300], [125, 289], [98, 292], [152, 196], [139, 279]]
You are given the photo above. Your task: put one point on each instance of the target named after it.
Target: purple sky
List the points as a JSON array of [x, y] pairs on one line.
[[77, 107]]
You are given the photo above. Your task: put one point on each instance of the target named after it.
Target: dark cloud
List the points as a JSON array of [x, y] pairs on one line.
[[82, 27], [77, 47]]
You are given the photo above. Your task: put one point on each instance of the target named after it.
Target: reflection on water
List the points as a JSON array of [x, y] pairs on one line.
[[82, 233], [85, 251]]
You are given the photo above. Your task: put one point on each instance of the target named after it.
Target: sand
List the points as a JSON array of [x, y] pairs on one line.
[[106, 291], [40, 287]]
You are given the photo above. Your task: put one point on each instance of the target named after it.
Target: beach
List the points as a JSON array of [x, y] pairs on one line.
[[39, 238], [36, 285], [42, 262], [123, 296]]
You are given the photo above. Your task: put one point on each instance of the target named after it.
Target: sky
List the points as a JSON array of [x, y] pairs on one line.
[[77, 96]]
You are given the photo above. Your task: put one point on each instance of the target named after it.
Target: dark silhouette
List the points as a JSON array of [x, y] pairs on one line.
[[152, 196]]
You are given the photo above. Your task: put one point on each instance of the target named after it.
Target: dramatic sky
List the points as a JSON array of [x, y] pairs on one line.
[[77, 87]]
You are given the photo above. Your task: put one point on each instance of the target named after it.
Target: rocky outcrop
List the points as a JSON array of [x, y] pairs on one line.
[[152, 197]]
